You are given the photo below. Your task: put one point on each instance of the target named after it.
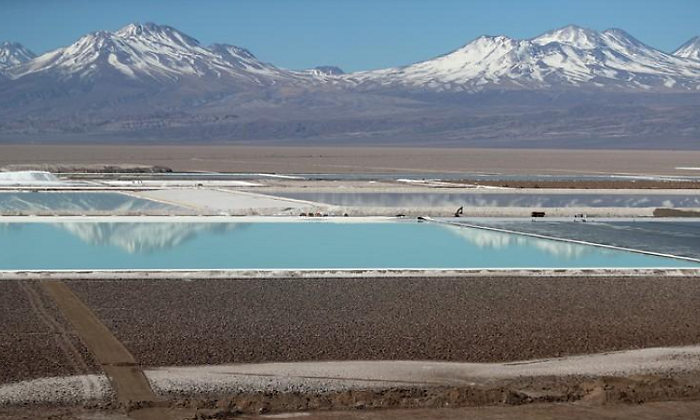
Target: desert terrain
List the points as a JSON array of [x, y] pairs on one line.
[[561, 343], [281, 159], [222, 348]]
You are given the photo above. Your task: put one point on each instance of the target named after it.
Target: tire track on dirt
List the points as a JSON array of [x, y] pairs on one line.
[[128, 380], [61, 335]]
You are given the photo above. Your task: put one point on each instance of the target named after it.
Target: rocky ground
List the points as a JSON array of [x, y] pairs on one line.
[[451, 319], [666, 411], [36, 340], [674, 410], [470, 319]]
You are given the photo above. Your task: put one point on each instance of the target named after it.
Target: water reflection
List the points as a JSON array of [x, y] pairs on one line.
[[375, 199], [143, 238], [10, 227], [32, 202], [486, 239], [291, 245]]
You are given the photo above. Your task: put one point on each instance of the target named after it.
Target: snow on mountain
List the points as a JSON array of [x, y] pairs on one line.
[[571, 35], [12, 54], [146, 52], [690, 49], [567, 57], [326, 71]]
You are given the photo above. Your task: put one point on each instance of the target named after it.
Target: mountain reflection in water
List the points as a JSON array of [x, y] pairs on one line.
[[486, 239], [78, 202], [144, 238], [543, 200]]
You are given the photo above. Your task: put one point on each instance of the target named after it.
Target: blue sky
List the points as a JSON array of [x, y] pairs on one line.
[[353, 34]]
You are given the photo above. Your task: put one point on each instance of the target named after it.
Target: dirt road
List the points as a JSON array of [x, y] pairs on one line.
[[127, 378]]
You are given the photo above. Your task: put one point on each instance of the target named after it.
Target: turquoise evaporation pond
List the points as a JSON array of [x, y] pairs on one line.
[[93, 245]]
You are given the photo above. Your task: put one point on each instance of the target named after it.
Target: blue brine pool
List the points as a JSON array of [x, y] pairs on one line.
[[475, 199], [90, 245]]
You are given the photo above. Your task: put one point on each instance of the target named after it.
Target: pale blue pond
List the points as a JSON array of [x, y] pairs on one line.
[[78, 202], [474, 199], [293, 245]]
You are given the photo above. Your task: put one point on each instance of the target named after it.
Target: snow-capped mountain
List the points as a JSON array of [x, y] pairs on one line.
[[150, 52], [326, 71], [12, 54], [154, 83], [568, 57], [690, 49]]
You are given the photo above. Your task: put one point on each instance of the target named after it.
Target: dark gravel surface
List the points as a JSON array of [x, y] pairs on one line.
[[481, 319], [35, 339]]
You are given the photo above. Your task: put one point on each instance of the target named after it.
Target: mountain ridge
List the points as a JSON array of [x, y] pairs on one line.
[[571, 56], [148, 52], [148, 82]]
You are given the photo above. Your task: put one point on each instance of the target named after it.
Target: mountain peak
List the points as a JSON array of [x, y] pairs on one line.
[[567, 57], [10, 44], [330, 70], [573, 35], [324, 71], [158, 33], [138, 28], [487, 43], [491, 38], [573, 29], [147, 52], [14, 53], [143, 28], [690, 49]]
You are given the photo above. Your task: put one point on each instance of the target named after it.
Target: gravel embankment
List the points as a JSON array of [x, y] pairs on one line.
[[174, 322]]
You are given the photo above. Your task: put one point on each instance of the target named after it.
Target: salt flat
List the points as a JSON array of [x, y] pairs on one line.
[[320, 377], [226, 201], [341, 375], [173, 183]]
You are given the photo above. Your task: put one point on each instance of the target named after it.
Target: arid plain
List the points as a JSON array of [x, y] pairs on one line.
[[281, 159]]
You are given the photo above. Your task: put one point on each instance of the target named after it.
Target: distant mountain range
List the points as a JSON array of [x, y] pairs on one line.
[[571, 57], [571, 87]]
